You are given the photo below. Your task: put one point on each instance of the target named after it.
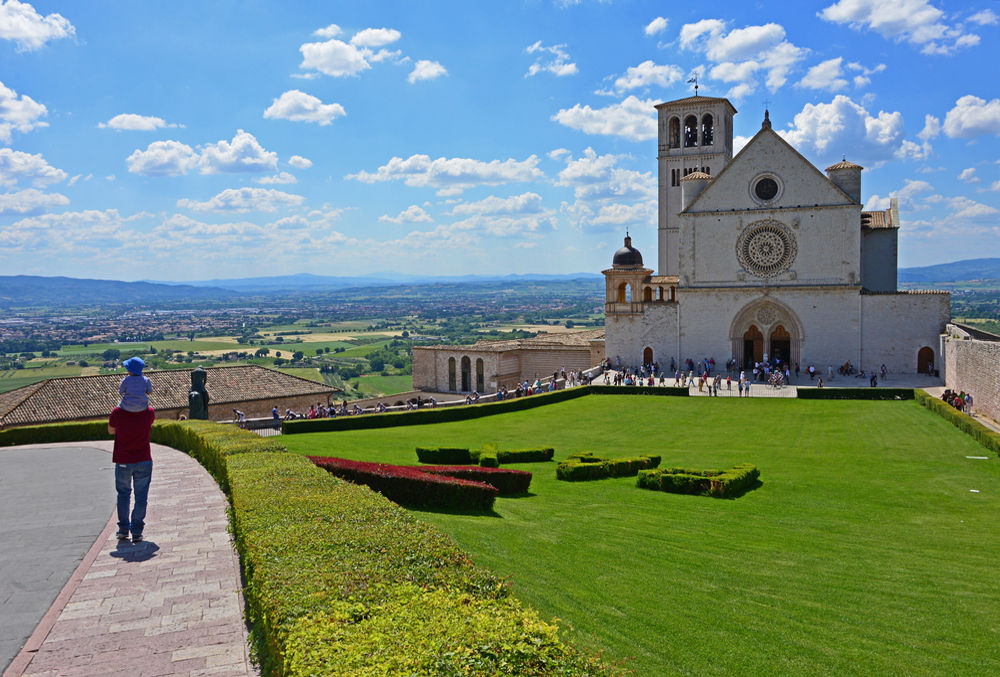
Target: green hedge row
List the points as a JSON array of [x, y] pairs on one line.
[[444, 455], [341, 581], [855, 393], [586, 466], [488, 457], [718, 483], [55, 432], [986, 437], [525, 455], [429, 415]]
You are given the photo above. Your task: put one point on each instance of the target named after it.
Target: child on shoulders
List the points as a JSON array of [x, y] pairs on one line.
[[135, 388]]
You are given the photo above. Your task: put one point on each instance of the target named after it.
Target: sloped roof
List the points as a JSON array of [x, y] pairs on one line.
[[89, 397], [686, 101], [843, 164], [880, 220], [575, 339], [696, 175]]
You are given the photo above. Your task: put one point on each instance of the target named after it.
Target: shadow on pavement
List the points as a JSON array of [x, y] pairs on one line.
[[135, 552]]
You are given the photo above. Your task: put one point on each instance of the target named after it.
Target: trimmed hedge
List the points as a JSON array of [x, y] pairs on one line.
[[663, 391], [411, 486], [970, 426], [717, 483], [505, 481], [586, 466], [56, 432], [855, 393], [444, 455], [525, 455], [429, 415]]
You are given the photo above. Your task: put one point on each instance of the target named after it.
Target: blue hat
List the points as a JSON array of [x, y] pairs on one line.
[[134, 365]]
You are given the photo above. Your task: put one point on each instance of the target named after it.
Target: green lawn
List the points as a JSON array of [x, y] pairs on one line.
[[384, 385], [863, 551]]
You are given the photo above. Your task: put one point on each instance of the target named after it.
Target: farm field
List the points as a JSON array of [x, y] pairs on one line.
[[865, 550], [387, 385]]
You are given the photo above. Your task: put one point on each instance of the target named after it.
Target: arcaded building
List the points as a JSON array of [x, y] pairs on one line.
[[763, 256]]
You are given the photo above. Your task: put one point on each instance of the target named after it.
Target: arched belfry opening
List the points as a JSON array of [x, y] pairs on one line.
[[707, 130], [674, 133], [766, 328], [690, 131]]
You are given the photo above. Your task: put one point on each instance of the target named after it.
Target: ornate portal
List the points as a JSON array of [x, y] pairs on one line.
[[766, 248]]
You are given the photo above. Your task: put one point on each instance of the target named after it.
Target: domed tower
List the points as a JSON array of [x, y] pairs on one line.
[[626, 281]]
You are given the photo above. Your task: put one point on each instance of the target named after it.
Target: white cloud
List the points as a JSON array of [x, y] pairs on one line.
[[28, 29], [452, 175], [133, 122], [525, 203], [242, 154], [657, 25], [728, 71], [914, 21], [298, 106], [864, 73], [931, 130], [632, 118], [16, 167], [986, 17], [426, 70], [509, 226], [969, 175], [412, 214], [77, 234], [333, 57], [964, 208], [647, 74], [162, 158], [843, 126], [30, 200], [557, 62], [826, 75], [300, 162], [244, 200], [972, 116], [331, 31], [18, 113], [605, 193], [279, 178], [375, 37], [995, 185]]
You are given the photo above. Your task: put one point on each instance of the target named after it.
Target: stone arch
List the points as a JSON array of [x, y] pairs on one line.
[[690, 131], [673, 293], [451, 374], [480, 376], [925, 360], [707, 130], [466, 374], [767, 314], [675, 132], [647, 294], [659, 294], [622, 292]]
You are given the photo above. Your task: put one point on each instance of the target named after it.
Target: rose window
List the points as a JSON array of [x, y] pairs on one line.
[[766, 248]]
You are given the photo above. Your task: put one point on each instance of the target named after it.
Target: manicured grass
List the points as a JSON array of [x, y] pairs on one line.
[[12, 379], [863, 551], [385, 385], [311, 373]]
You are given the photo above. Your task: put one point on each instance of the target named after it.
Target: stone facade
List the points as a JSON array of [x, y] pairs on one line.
[[762, 255], [972, 364]]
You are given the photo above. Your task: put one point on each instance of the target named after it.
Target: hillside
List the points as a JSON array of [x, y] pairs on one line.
[[35, 290], [957, 271]]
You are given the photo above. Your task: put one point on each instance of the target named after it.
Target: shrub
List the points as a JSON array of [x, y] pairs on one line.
[[855, 393], [55, 432], [505, 481], [525, 455], [970, 426], [718, 483], [411, 486], [444, 455], [589, 467], [488, 459]]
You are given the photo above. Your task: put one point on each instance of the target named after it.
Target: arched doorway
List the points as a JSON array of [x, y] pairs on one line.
[[479, 375], [647, 294], [466, 374], [925, 360], [781, 344], [647, 355], [753, 345], [451, 374]]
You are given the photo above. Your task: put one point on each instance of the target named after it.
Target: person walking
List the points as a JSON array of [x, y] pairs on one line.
[[133, 468]]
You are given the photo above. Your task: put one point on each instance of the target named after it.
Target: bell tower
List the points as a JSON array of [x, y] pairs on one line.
[[695, 135]]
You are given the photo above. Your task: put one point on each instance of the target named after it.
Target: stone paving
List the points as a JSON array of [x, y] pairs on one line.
[[170, 605]]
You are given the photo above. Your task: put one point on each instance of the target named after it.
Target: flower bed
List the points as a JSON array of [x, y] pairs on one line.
[[718, 483], [586, 466], [411, 486]]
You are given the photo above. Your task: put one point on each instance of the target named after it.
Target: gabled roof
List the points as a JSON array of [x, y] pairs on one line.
[[89, 397], [690, 100], [572, 339]]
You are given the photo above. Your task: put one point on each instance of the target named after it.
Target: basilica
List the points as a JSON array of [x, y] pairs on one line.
[[762, 257]]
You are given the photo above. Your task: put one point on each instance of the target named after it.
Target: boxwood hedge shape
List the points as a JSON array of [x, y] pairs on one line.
[[411, 486], [718, 483], [506, 481], [586, 466], [525, 455], [444, 455]]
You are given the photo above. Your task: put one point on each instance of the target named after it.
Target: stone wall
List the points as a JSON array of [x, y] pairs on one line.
[[973, 365], [895, 327]]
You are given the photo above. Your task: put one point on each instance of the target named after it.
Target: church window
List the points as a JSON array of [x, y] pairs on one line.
[[766, 188], [675, 133], [707, 131], [690, 131], [766, 248]]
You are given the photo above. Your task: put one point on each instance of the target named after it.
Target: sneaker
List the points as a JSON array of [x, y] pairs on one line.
[[136, 538], [122, 536]]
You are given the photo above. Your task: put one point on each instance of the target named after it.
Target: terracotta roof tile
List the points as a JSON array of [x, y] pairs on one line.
[[696, 175], [89, 397], [843, 164], [877, 220]]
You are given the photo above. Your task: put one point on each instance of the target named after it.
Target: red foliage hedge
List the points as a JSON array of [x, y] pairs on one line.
[[412, 486], [505, 481]]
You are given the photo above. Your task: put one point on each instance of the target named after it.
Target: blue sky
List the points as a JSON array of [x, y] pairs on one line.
[[193, 140]]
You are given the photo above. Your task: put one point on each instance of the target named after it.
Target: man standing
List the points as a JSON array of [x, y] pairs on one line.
[[133, 467]]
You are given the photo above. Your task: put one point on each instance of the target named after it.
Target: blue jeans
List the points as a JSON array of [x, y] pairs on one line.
[[127, 476]]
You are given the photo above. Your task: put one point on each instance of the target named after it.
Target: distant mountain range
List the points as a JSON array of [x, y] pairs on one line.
[[19, 290]]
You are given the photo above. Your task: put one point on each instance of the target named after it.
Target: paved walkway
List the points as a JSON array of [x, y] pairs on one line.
[[170, 605]]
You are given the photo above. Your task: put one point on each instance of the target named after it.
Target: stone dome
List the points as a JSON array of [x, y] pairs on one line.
[[628, 256]]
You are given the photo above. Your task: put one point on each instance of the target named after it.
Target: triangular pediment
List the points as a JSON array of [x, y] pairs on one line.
[[801, 184]]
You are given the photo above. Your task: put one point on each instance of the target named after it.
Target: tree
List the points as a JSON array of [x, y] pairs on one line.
[[569, 324], [262, 352], [297, 355], [278, 354], [111, 354], [319, 351], [377, 363], [406, 334]]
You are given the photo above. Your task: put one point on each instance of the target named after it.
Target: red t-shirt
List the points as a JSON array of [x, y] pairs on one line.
[[131, 435]]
